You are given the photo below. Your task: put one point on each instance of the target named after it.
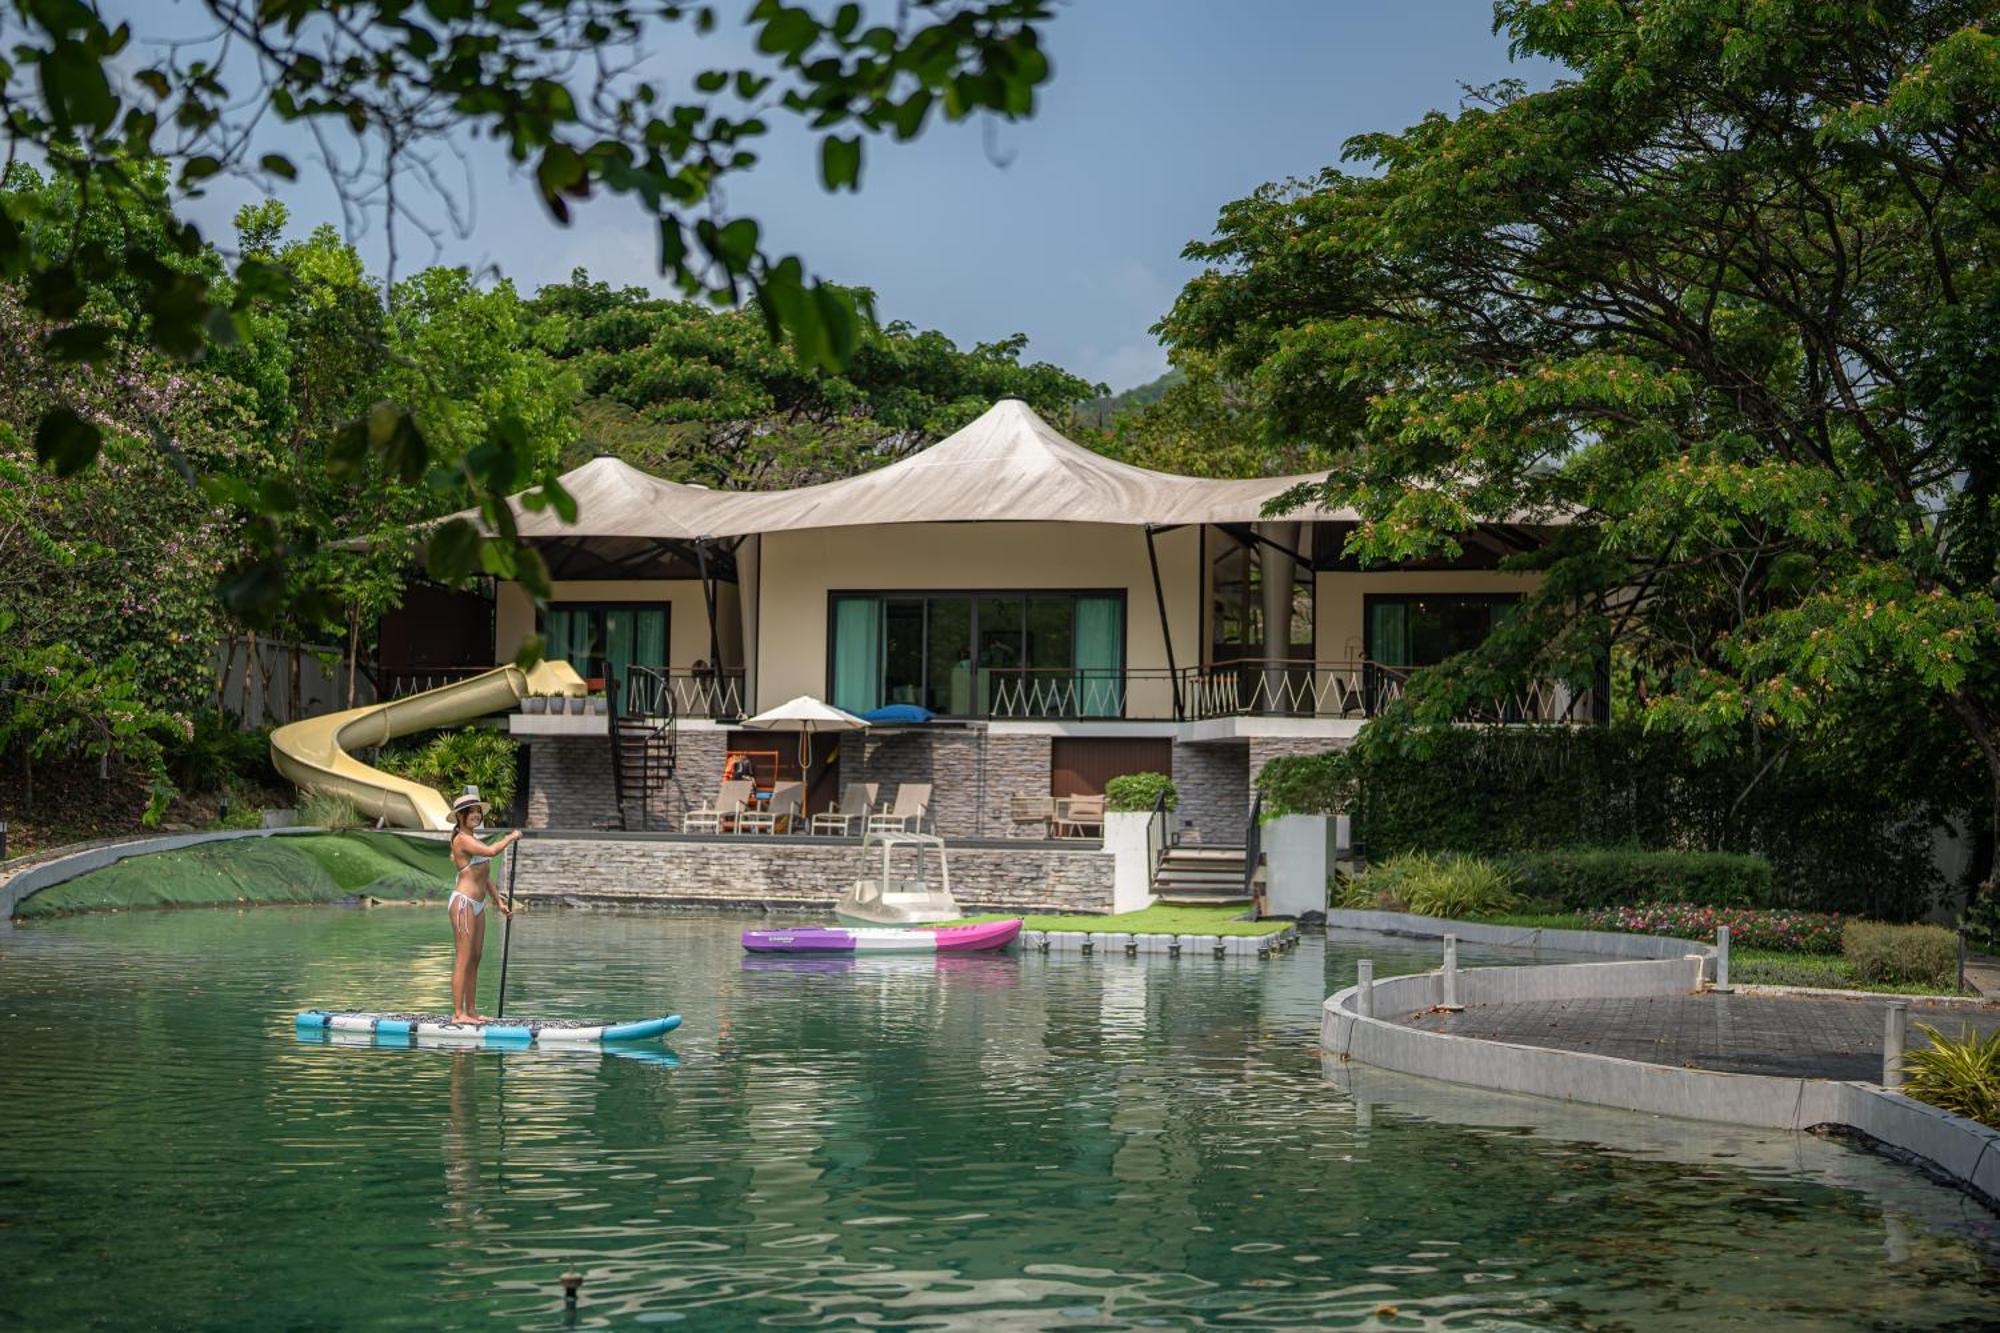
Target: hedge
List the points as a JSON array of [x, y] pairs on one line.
[[1927, 955], [1583, 878], [1134, 793]]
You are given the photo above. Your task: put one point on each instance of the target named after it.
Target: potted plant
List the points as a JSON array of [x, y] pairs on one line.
[[578, 703], [597, 703], [534, 703]]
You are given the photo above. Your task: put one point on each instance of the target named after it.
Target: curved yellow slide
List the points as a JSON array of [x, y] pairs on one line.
[[314, 753]]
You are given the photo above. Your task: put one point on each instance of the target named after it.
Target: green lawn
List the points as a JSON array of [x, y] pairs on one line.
[[1751, 967], [1160, 919]]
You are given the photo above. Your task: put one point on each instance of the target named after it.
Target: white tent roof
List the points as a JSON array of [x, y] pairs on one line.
[[1008, 466]]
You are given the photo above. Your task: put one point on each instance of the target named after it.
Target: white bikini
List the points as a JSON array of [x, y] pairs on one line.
[[478, 905]]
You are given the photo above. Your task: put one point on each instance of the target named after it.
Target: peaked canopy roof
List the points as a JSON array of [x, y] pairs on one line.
[[1007, 466]]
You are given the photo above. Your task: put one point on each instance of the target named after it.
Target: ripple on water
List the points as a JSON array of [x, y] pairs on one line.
[[1001, 1143]]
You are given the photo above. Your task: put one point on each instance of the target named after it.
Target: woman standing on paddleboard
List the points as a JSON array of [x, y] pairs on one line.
[[468, 901]]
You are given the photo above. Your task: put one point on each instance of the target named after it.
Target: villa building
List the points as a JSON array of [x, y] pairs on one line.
[[1048, 617]]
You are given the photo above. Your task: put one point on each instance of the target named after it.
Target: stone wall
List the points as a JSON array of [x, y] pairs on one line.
[[1263, 749], [569, 781], [781, 874], [1213, 779], [973, 775]]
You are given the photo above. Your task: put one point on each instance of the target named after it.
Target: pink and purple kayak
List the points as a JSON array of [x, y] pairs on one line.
[[981, 938]]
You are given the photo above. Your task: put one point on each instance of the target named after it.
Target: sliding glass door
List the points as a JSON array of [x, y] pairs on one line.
[[979, 654], [601, 637]]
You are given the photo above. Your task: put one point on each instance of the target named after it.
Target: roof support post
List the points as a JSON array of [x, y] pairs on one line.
[[1166, 631], [708, 598]]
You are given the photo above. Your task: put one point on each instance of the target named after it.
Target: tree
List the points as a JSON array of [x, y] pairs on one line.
[[1723, 296], [705, 395], [557, 82]]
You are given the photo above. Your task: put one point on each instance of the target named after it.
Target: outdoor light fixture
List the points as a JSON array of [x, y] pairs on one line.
[[3, 839]]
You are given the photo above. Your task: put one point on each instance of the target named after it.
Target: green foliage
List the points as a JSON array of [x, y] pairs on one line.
[[1753, 928], [1960, 1074], [1456, 887], [1925, 955], [1586, 877], [1315, 784], [453, 760], [1134, 793], [277, 869], [696, 394], [1845, 826], [326, 810], [219, 753], [1723, 293], [140, 126]]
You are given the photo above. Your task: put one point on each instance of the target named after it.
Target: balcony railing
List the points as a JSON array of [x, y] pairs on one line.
[[649, 692], [415, 680], [1242, 688]]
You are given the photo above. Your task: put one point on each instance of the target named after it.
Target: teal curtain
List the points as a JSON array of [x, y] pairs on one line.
[[857, 654], [649, 638], [567, 638], [1389, 633], [1100, 655]]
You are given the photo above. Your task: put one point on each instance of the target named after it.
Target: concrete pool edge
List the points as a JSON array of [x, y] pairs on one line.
[[1959, 1151]]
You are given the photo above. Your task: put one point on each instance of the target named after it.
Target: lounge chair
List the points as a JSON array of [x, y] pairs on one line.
[[856, 800], [1034, 810], [780, 814], [1075, 814], [730, 798], [907, 815]]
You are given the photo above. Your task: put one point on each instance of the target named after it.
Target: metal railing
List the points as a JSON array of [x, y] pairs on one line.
[[1244, 687], [1156, 838], [1253, 846], [650, 692], [402, 684]]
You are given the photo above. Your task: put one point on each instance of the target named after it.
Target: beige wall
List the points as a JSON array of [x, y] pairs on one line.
[[797, 570], [687, 622], [1338, 624]]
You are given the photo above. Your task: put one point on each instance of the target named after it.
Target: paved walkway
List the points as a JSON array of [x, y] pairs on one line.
[[1743, 1034]]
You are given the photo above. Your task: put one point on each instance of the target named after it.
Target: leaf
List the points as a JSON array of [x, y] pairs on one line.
[[65, 442], [840, 162], [788, 33], [279, 165], [451, 550], [74, 86], [79, 342], [253, 590]]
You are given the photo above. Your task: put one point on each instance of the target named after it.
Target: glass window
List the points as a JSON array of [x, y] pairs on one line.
[[1424, 631], [1236, 611], [969, 655], [597, 638]]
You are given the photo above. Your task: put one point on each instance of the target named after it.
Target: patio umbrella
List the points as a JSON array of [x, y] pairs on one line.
[[807, 716]]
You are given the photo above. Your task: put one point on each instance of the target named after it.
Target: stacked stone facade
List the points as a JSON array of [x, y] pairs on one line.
[[974, 775], [1213, 779], [779, 875], [570, 785]]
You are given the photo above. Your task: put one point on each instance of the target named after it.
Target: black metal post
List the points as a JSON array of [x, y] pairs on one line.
[[708, 596], [507, 931], [1166, 633]]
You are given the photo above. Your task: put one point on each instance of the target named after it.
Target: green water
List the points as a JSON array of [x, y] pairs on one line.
[[1011, 1142]]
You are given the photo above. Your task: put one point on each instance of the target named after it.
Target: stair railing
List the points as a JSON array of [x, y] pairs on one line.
[[1156, 838], [1253, 846]]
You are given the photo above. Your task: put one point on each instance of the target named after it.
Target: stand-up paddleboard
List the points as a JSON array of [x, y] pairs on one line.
[[987, 935], [509, 1032]]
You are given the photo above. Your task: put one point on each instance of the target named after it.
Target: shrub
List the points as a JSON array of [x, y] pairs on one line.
[[322, 809], [1306, 784], [1927, 955], [1788, 932], [1134, 793], [1360, 895], [219, 752], [1429, 885], [453, 760], [1589, 877], [1960, 1074]]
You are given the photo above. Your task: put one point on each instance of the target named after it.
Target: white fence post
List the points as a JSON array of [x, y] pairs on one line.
[[1722, 959], [1895, 1035], [1364, 982]]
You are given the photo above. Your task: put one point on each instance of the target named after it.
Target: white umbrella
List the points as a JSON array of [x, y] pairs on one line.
[[807, 716]]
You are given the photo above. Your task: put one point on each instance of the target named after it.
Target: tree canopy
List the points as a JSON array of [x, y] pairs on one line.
[[1724, 297]]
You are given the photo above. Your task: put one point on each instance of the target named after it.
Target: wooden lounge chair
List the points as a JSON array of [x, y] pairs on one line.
[[1034, 810], [907, 815], [730, 798], [781, 814], [851, 815], [1076, 814]]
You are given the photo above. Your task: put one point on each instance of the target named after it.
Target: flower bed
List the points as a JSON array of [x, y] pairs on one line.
[[1788, 932]]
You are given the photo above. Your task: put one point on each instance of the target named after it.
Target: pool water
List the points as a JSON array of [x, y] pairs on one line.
[[1011, 1142]]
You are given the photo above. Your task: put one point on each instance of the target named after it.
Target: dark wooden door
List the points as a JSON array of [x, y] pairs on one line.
[[1081, 765]]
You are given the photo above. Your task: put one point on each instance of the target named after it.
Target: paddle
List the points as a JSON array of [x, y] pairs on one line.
[[507, 931]]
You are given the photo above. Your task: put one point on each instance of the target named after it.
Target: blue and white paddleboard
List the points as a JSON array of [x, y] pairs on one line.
[[508, 1032]]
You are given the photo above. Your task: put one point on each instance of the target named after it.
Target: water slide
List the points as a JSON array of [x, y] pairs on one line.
[[314, 753]]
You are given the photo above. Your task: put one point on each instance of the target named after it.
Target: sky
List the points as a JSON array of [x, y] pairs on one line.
[[1068, 227]]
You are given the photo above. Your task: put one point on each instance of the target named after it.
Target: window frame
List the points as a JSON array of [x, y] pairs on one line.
[[599, 606], [1369, 600], [926, 595]]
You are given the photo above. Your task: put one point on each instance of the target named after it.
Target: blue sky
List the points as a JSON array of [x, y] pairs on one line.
[[1068, 227]]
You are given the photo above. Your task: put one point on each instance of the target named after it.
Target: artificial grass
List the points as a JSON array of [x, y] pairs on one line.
[[1159, 919], [289, 868]]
